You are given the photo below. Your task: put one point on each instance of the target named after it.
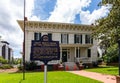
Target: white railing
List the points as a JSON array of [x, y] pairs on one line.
[[83, 60], [50, 62]]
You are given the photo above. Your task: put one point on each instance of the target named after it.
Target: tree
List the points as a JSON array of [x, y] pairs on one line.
[[111, 54], [108, 28]]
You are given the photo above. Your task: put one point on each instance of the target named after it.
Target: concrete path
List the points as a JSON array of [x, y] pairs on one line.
[[98, 76]]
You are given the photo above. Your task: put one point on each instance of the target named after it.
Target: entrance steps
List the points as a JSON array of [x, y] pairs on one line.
[[70, 66]]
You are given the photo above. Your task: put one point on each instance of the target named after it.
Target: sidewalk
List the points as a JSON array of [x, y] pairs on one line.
[[98, 76]]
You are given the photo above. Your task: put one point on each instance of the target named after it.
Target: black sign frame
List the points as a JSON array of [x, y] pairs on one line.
[[45, 49]]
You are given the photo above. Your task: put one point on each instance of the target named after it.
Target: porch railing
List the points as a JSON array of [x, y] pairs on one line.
[[83, 60]]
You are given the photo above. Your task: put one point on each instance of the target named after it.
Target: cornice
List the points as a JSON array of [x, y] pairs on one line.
[[55, 25]]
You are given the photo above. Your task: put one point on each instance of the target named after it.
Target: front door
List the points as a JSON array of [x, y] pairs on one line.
[[64, 56]]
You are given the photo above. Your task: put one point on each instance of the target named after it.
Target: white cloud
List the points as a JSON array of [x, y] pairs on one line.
[[87, 18], [65, 10], [10, 11]]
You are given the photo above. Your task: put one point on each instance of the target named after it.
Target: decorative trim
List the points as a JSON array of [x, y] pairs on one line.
[[51, 25]]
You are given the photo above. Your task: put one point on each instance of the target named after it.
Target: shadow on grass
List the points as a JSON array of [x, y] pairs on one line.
[[112, 70], [21, 81]]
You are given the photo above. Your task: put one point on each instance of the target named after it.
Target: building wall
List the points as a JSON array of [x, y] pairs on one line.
[[56, 30], [5, 50]]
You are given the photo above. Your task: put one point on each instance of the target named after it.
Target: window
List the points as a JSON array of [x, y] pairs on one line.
[[50, 36], [77, 53], [78, 38], [88, 39], [64, 38], [98, 55], [4, 51], [37, 36], [89, 52]]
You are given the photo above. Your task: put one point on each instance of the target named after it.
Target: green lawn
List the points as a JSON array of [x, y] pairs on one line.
[[105, 70], [38, 77]]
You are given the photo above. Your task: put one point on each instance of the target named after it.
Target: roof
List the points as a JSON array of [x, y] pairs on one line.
[[28, 23]]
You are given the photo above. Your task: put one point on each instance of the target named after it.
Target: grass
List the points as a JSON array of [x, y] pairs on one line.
[[38, 77], [105, 70]]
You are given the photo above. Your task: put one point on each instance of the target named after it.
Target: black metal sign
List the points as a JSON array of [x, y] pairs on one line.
[[45, 49]]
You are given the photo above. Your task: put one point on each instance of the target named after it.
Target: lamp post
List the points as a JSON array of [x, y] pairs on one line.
[[119, 54], [24, 44]]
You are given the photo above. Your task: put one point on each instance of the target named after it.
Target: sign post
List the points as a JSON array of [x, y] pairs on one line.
[[45, 50], [45, 73]]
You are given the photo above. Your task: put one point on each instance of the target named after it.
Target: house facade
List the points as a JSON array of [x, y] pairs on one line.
[[5, 51], [76, 43]]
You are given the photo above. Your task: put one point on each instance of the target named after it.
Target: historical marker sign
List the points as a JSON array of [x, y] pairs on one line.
[[45, 49]]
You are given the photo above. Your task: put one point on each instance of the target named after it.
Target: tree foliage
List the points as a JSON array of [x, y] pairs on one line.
[[107, 29], [111, 54]]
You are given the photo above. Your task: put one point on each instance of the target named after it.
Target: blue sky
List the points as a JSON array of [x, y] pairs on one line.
[[66, 11]]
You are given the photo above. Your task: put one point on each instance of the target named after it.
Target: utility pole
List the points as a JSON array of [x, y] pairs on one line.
[[24, 44]]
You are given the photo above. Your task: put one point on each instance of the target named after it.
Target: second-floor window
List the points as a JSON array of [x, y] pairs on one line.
[[37, 36], [50, 36], [88, 39], [78, 38], [64, 38]]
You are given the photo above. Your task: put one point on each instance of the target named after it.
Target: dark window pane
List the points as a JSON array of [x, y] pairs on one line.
[[89, 52]]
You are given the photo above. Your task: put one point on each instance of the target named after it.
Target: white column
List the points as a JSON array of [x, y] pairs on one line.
[[78, 55], [6, 52], [60, 54], [75, 52], [75, 55], [78, 52]]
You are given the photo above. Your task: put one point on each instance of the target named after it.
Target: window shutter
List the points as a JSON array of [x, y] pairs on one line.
[[61, 38], [35, 36], [75, 38], [91, 40], [39, 36], [67, 38], [81, 39]]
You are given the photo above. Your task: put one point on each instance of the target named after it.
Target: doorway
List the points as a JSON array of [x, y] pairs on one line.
[[64, 56]]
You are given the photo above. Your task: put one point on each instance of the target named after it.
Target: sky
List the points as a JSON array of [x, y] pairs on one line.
[[65, 11]]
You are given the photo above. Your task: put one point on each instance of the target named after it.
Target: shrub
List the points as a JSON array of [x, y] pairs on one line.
[[30, 65], [3, 61], [20, 67], [6, 66], [95, 64]]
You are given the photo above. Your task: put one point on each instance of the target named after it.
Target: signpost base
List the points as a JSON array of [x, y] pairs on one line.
[[45, 73]]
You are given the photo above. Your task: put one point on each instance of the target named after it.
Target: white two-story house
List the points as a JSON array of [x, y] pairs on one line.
[[76, 43]]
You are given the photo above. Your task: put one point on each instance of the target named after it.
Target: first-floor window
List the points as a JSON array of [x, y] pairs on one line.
[[89, 52], [77, 53]]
